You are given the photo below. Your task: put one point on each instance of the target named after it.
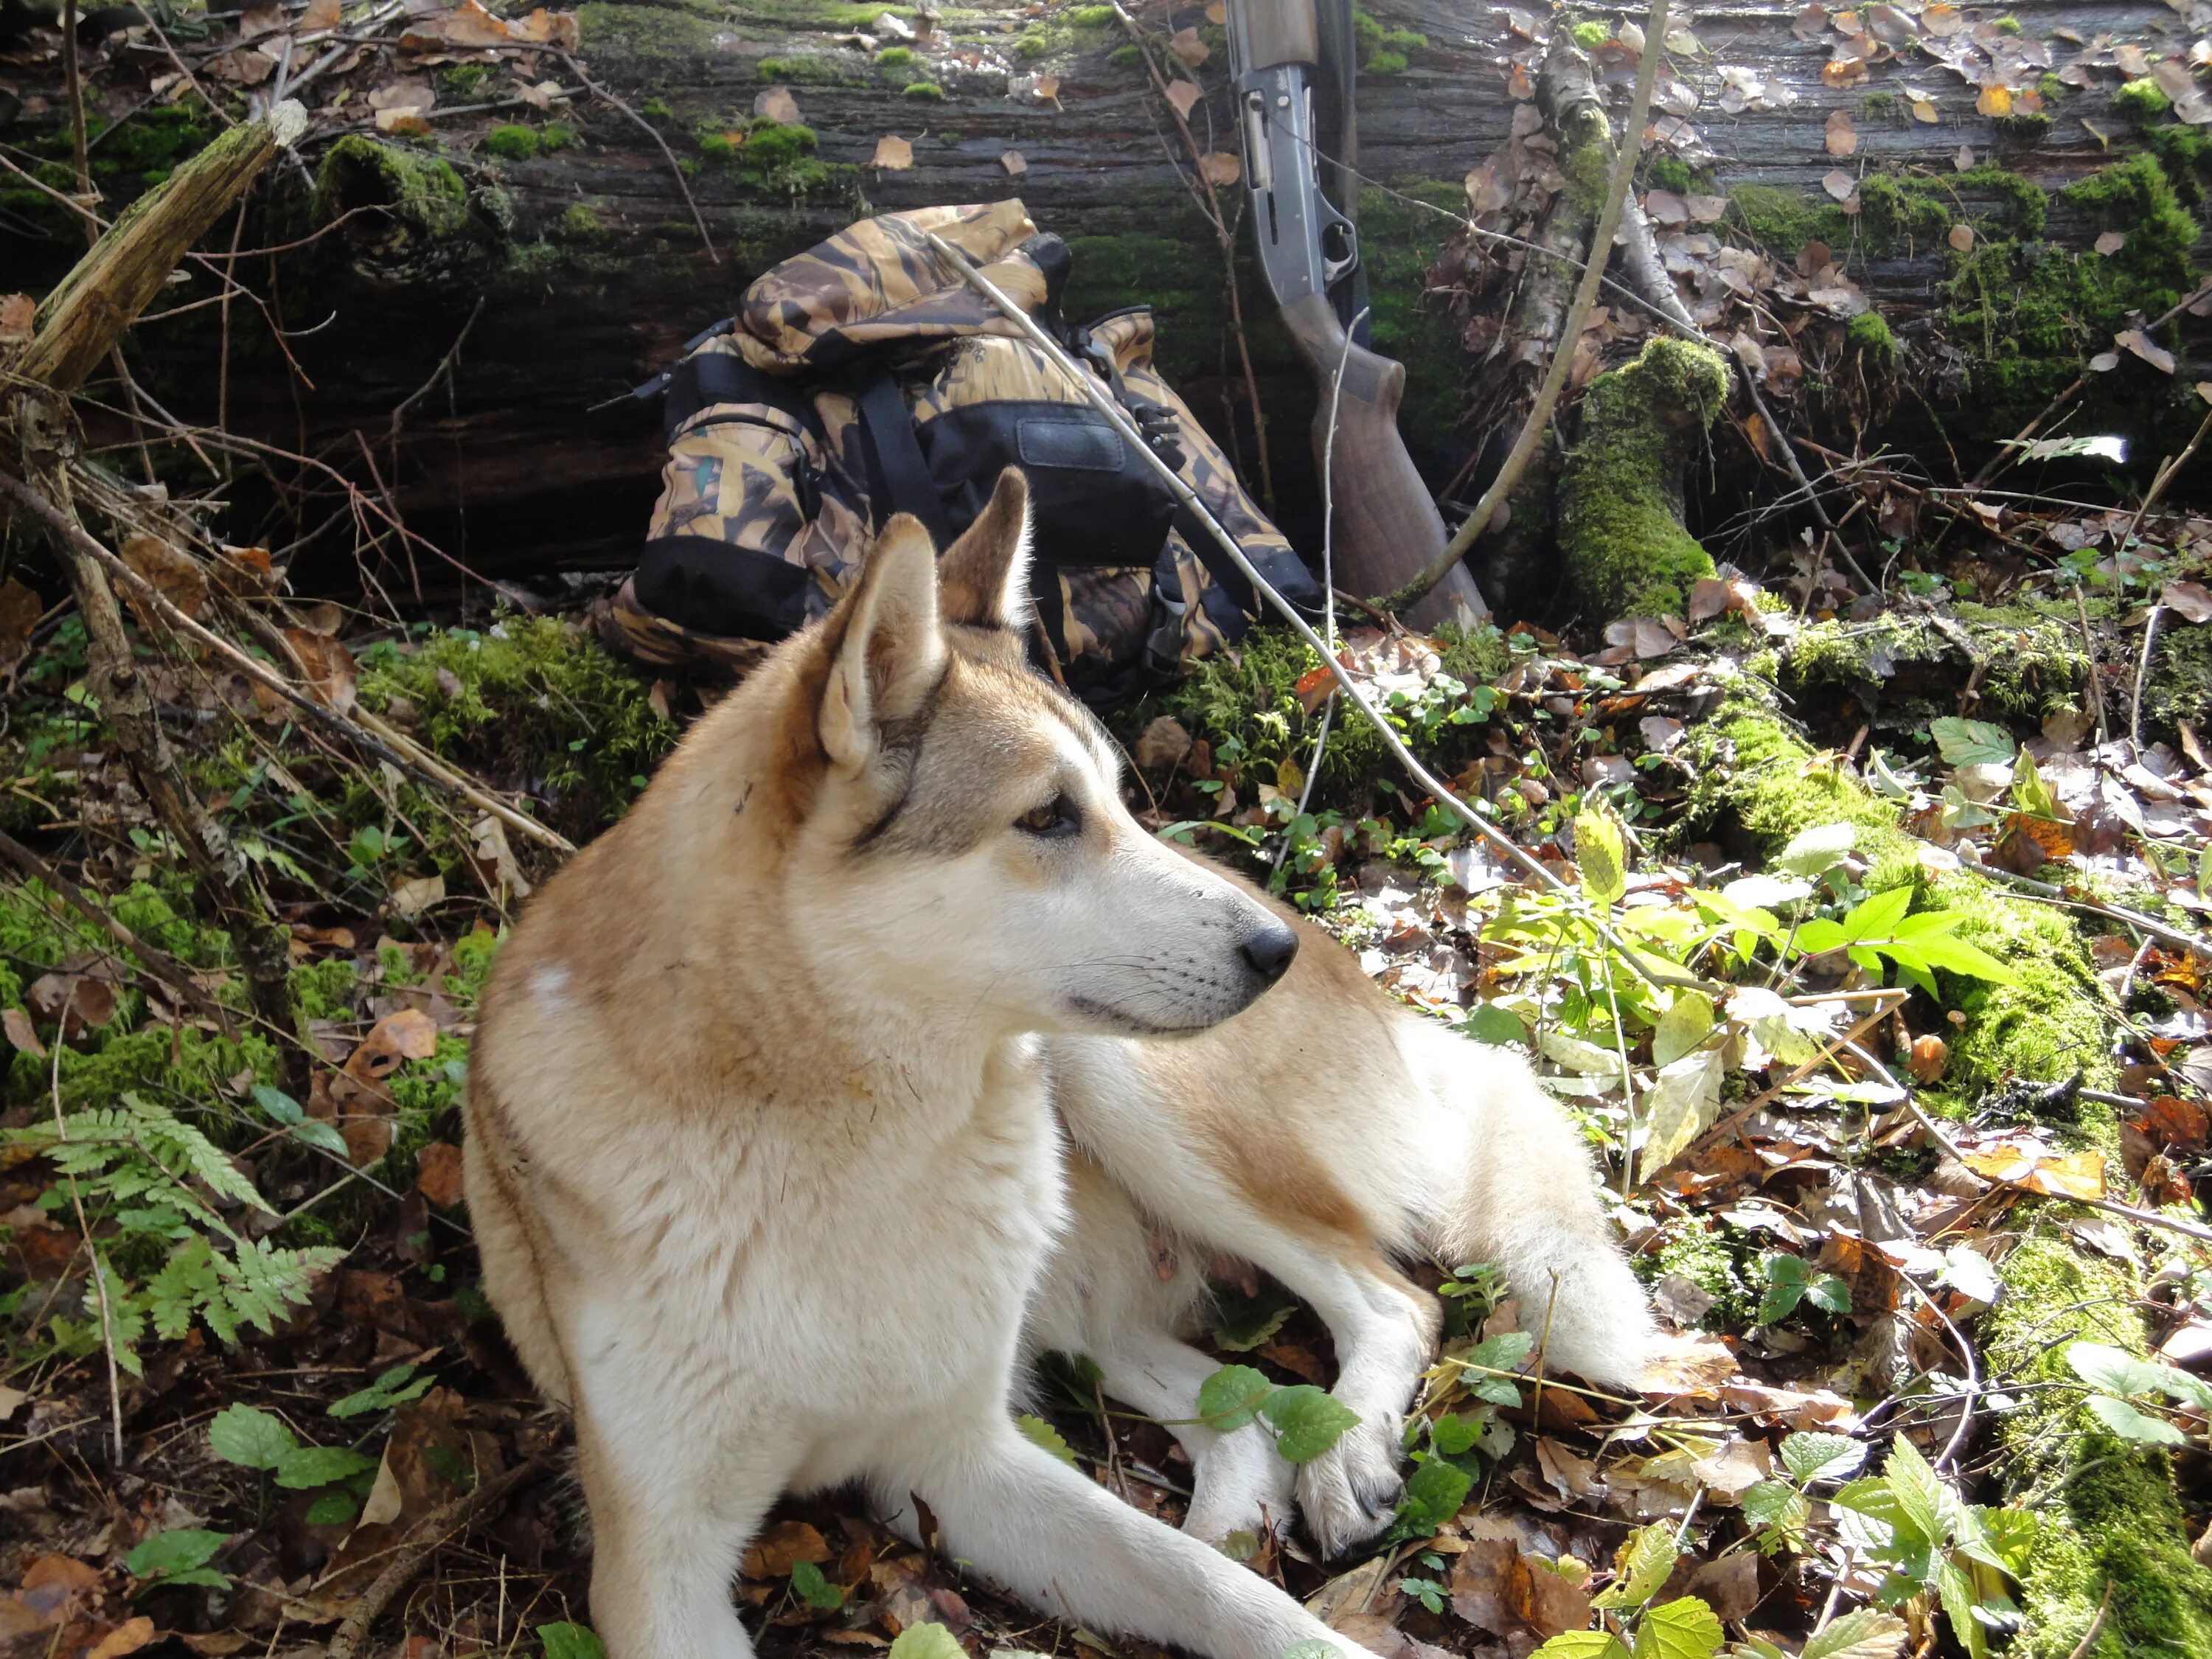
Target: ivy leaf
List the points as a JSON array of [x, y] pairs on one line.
[[1307, 1421], [1810, 1458], [1683, 1629], [1038, 1432], [1641, 1567], [567, 1641], [168, 1554], [1864, 1633], [1231, 1397], [2129, 1424], [307, 1467], [249, 1436]]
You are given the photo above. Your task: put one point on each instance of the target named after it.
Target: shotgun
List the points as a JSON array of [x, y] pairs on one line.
[[1386, 527]]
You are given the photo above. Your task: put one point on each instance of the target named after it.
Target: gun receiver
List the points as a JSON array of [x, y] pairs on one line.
[[1386, 528]]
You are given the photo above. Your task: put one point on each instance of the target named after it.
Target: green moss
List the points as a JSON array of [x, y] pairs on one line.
[[512, 142], [2141, 101], [645, 33], [153, 139], [2180, 687], [323, 990], [1366, 33], [1386, 63], [2107, 1511], [1407, 41], [1669, 173], [2024, 129], [928, 91], [1589, 36], [656, 109], [460, 82], [2053, 1024], [1699, 1252], [1895, 211], [1784, 221], [1399, 241], [2052, 90], [1090, 17], [2185, 153], [1620, 529], [530, 698], [717, 146], [427, 227], [1869, 336], [1882, 106], [2136, 196], [1033, 46], [810, 71], [894, 57], [2007, 26], [556, 135], [581, 224], [1126, 57]]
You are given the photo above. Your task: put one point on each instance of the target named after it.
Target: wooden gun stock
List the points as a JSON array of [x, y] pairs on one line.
[[1386, 528]]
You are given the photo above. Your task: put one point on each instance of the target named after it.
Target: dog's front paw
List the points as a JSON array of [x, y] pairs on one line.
[[1242, 1486], [1351, 1492]]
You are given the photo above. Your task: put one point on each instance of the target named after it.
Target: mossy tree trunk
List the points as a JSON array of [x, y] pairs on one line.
[[593, 273]]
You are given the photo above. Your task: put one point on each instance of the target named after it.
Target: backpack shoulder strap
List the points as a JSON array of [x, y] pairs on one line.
[[895, 453]]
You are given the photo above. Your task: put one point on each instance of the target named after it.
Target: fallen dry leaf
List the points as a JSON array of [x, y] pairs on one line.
[[1843, 135], [1186, 46], [16, 1026], [1840, 184], [320, 15], [1961, 237], [2074, 1175], [173, 573], [1184, 95], [17, 313], [2111, 242], [2191, 599], [1996, 102], [438, 1173], [405, 122], [1047, 89], [1012, 160], [1220, 167], [410, 1034], [1962, 160], [777, 105], [2149, 350], [892, 154], [328, 669]]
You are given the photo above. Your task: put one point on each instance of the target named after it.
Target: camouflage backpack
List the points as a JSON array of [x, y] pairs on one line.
[[860, 378]]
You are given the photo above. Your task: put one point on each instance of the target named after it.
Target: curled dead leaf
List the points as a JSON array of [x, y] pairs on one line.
[[1220, 167], [2149, 350], [2074, 1175], [327, 668], [173, 573], [1961, 237], [1012, 160], [893, 154], [1187, 46], [1843, 135], [1047, 89], [1184, 95], [777, 105], [438, 1173]]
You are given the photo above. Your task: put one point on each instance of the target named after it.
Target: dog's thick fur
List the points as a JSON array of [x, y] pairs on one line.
[[765, 1166]]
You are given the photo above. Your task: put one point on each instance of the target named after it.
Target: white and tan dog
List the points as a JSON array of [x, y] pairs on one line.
[[764, 1161]]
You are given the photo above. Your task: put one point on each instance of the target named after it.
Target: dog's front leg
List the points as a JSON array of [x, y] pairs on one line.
[[669, 1526], [1028, 1522]]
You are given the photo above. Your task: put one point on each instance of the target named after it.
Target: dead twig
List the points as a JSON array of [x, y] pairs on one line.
[[2143, 673], [2096, 1626], [1628, 154], [423, 1540], [84, 1228], [1723, 1129], [653, 133]]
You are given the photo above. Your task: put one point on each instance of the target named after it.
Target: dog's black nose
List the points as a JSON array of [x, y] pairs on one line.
[[1271, 951]]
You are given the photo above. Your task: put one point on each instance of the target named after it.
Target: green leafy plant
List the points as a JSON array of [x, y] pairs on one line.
[[2126, 1393], [568, 1641], [1306, 1420], [141, 1166], [255, 1439], [1791, 1279], [395, 1388], [1782, 1510], [179, 1556], [1908, 1521], [811, 1587], [1632, 1627]]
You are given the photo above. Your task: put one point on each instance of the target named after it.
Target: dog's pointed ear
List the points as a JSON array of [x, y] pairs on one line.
[[983, 581], [891, 652]]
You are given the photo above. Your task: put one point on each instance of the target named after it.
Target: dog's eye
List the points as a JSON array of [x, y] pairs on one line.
[[1057, 816]]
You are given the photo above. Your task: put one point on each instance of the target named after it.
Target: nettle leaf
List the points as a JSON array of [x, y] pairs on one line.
[[567, 1641], [925, 1641], [1641, 1566], [1601, 857], [1684, 1629], [1581, 1644], [249, 1436], [1918, 1489], [1038, 1432], [1307, 1421], [1503, 1352], [1452, 1434], [1231, 1397], [306, 1467], [2129, 1424], [1434, 1493], [816, 1591], [1955, 1586], [1815, 852], [2008, 1535], [1775, 1503], [2113, 1369], [1865, 1634], [1810, 1458], [1971, 743], [1683, 1028], [166, 1553]]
